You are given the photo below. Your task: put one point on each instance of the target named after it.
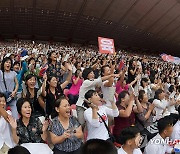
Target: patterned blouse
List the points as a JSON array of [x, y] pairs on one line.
[[70, 144], [55, 71], [31, 133]]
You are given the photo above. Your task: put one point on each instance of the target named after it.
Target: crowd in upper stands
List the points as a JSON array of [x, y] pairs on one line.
[[71, 99]]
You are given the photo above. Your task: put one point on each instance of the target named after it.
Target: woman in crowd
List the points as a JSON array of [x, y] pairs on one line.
[[54, 67], [65, 130], [33, 70], [6, 140], [122, 85], [9, 84], [146, 87], [33, 94], [29, 130], [127, 110], [89, 84], [73, 92], [108, 86], [145, 118], [54, 89], [94, 114], [161, 104], [132, 70]]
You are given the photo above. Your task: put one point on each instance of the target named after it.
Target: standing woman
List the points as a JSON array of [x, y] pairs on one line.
[[65, 130], [9, 84], [94, 115], [54, 90], [73, 93]]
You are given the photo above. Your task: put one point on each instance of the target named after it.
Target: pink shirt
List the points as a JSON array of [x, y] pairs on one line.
[[74, 90], [119, 89]]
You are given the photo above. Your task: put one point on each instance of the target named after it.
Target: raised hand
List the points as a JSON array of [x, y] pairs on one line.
[[12, 122], [45, 125]]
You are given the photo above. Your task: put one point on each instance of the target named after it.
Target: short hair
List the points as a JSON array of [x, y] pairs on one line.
[[163, 123], [122, 95], [88, 95], [2, 95], [171, 88], [19, 150], [98, 146], [157, 92], [16, 63], [85, 73], [179, 111], [127, 134], [3, 62], [20, 103], [141, 95]]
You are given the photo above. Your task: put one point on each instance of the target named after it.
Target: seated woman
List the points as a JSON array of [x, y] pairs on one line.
[[28, 130], [127, 110], [65, 131], [33, 95], [94, 114], [6, 140]]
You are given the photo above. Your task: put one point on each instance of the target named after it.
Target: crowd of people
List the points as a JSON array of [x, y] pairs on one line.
[[70, 99]]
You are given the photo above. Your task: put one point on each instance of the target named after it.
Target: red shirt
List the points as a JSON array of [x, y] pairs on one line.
[[121, 122]]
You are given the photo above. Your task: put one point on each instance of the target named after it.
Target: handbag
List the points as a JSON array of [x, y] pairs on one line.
[[111, 137], [7, 94]]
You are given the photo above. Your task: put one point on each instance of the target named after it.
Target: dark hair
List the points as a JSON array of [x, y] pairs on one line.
[[29, 76], [103, 69], [77, 72], [18, 150], [163, 123], [98, 146], [171, 88], [179, 111], [48, 80], [2, 95], [127, 134], [141, 95], [88, 95], [30, 60], [143, 80], [49, 56], [57, 104], [16, 63], [4, 60], [122, 95], [85, 73], [20, 103], [157, 92]]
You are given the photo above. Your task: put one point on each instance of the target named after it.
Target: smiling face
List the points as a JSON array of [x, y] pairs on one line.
[[95, 99], [64, 109], [7, 65], [53, 56], [106, 71], [16, 67], [91, 75], [53, 82], [31, 82], [26, 110]]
